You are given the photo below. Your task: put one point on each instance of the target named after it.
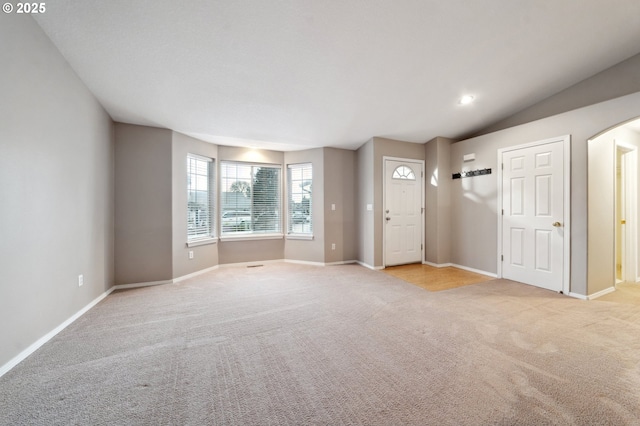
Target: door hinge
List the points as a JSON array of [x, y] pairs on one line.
[[502, 212], [421, 248], [502, 166], [502, 257]]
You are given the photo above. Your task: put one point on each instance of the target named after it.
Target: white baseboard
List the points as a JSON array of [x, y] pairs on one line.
[[375, 268], [172, 281], [344, 262], [477, 271], [601, 293], [138, 285], [304, 262], [44, 339], [254, 263], [578, 296], [298, 262], [466, 268], [195, 274], [437, 265]]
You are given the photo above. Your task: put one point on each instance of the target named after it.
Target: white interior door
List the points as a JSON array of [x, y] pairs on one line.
[[403, 212], [533, 214]]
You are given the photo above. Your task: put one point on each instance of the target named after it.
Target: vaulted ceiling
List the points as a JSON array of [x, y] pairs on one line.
[[296, 74]]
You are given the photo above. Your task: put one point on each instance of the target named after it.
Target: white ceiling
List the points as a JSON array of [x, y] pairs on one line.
[[295, 74]]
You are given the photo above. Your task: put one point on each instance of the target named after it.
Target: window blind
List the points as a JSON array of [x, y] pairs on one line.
[[250, 198], [200, 197], [300, 180]]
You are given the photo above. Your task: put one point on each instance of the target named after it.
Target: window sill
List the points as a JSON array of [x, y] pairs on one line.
[[250, 237], [307, 237], [202, 242]]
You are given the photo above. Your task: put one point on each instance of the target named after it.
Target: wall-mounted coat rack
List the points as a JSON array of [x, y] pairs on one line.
[[471, 173]]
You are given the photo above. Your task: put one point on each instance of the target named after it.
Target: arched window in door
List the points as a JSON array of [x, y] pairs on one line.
[[403, 172]]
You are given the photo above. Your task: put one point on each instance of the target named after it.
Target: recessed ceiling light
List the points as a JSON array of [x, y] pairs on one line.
[[466, 99]]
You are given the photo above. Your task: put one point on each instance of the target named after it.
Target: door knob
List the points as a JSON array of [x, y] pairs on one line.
[[557, 224]]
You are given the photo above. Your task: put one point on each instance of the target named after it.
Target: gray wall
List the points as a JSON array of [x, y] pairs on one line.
[[474, 200], [205, 256], [143, 226], [309, 250], [438, 201], [619, 80], [253, 250], [365, 195], [56, 192], [340, 190]]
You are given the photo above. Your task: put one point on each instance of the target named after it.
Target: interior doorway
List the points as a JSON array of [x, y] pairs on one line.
[[612, 221]]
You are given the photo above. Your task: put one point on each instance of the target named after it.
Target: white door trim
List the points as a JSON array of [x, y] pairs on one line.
[[566, 140], [631, 240], [384, 203]]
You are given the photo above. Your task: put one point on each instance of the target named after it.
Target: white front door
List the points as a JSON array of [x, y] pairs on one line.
[[533, 215], [403, 212]]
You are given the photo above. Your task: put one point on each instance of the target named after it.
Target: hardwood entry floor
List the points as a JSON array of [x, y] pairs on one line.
[[435, 279]]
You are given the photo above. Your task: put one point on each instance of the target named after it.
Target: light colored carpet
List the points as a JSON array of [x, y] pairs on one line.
[[293, 344], [625, 293], [435, 279]]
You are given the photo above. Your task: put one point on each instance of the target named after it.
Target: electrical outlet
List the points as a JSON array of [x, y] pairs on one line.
[[190, 254], [333, 206], [80, 280], [333, 246]]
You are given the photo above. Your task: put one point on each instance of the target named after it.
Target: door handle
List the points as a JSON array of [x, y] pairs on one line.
[[557, 224], [388, 219]]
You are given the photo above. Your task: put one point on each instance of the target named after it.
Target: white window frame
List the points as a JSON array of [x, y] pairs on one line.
[[210, 237], [291, 234], [250, 234]]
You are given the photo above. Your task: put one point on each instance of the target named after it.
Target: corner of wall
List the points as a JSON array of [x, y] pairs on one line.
[[438, 201], [340, 205], [365, 198], [143, 228]]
